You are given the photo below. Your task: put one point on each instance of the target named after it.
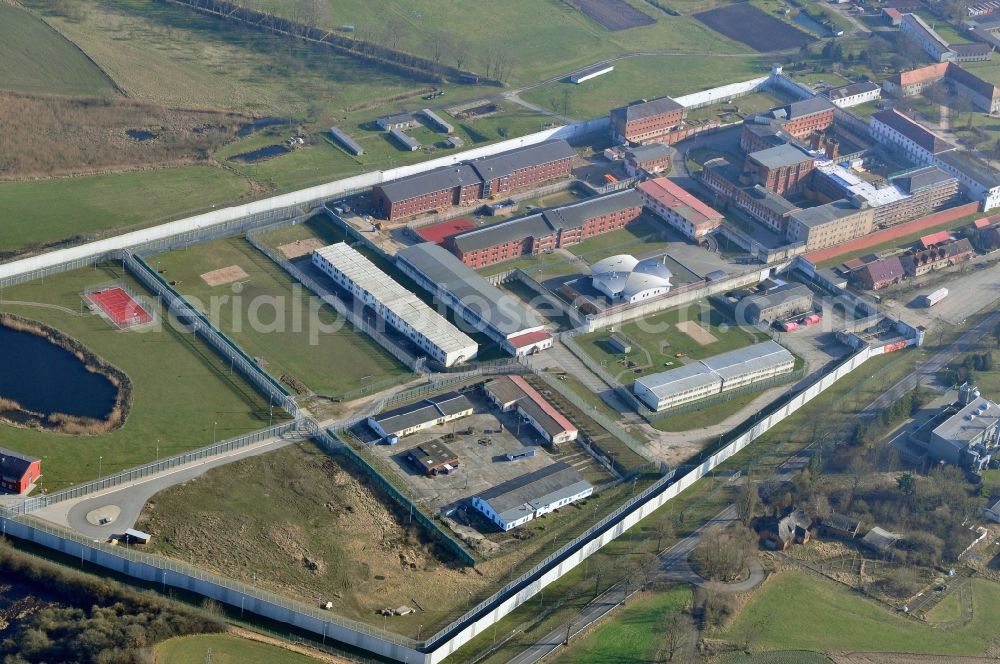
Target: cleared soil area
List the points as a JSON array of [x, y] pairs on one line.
[[747, 24], [46, 136], [613, 14]]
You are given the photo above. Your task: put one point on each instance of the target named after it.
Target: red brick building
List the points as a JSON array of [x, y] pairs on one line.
[[799, 120], [470, 182], [782, 169], [645, 121], [548, 230], [18, 472]]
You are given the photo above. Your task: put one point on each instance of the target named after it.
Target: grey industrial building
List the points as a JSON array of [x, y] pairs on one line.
[[346, 141], [781, 302], [964, 434], [524, 498], [422, 415], [474, 299]]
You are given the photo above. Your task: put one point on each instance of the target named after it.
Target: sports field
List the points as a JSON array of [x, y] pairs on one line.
[[828, 618], [224, 649], [39, 212], [694, 332], [557, 39], [646, 77], [181, 386], [275, 319], [35, 58]]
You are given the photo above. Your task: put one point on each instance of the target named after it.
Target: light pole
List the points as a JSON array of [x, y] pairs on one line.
[[100, 466], [157, 449], [215, 429]]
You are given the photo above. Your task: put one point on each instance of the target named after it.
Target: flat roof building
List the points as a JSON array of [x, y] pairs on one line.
[[714, 375], [964, 434], [346, 141], [529, 496], [854, 93], [397, 306], [433, 458], [474, 299], [397, 121], [405, 141], [421, 415], [590, 72], [779, 303], [830, 224]]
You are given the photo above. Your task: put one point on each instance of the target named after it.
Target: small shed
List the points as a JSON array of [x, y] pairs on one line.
[[620, 343], [18, 472], [133, 536], [433, 458]]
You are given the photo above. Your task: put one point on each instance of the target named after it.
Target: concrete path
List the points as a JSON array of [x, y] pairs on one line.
[[124, 503]]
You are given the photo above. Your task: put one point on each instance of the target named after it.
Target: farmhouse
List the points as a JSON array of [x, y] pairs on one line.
[[524, 498], [623, 278], [422, 415], [514, 393], [552, 229], [679, 208], [474, 299], [645, 121], [18, 472], [715, 375], [779, 303], [397, 306], [433, 458], [793, 528], [469, 182]]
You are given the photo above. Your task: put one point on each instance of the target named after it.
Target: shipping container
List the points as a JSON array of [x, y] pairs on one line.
[[935, 297]]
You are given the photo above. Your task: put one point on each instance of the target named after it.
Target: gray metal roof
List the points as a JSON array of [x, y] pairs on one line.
[[772, 201], [914, 131], [780, 155], [751, 358], [576, 215], [915, 180], [845, 91], [506, 231], [505, 163], [406, 140], [799, 109], [433, 454], [970, 422], [504, 389], [683, 378], [824, 214], [779, 296], [13, 464], [649, 152], [422, 412], [437, 121], [447, 177], [645, 109], [345, 140], [494, 307], [975, 169], [523, 495]]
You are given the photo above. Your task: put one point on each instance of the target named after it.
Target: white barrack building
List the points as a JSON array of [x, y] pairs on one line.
[[524, 498], [400, 308], [714, 375]]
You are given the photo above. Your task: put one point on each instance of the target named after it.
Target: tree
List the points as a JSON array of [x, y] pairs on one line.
[[674, 630], [663, 530], [649, 566], [748, 501], [601, 567], [906, 484]]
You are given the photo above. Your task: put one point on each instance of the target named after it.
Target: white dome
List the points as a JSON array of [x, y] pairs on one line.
[[624, 277]]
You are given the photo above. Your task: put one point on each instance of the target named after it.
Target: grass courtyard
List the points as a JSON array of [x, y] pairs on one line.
[[181, 387], [658, 340], [828, 618], [643, 237], [39, 212], [274, 318]]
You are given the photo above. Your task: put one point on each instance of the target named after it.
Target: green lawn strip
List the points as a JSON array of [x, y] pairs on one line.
[[726, 111], [649, 335], [948, 609], [645, 77], [634, 635], [43, 211], [706, 415], [181, 387], [539, 267], [778, 657], [901, 242], [35, 58], [828, 617], [224, 649], [277, 320], [643, 237]]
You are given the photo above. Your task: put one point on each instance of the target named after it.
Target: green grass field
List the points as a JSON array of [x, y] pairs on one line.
[[646, 77], [643, 237], [632, 636], [279, 320], [725, 112], [35, 58], [826, 617], [988, 70], [223, 649], [556, 39], [42, 211], [657, 340], [181, 387]]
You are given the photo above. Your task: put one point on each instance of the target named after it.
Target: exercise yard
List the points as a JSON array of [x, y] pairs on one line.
[[668, 340], [300, 340], [181, 387]]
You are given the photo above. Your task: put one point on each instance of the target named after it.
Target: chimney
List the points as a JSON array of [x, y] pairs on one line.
[[816, 140], [832, 149]]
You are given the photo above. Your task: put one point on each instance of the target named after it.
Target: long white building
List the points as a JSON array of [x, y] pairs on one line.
[[400, 308], [527, 497], [714, 375]]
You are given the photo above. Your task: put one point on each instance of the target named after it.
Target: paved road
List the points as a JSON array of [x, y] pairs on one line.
[[679, 553]]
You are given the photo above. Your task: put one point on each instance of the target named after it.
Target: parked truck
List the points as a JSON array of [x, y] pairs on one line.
[[935, 297]]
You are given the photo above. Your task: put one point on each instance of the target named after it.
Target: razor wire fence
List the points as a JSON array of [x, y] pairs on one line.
[[202, 327], [159, 466]]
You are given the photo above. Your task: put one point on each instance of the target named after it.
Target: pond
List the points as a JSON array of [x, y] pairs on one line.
[[260, 154], [809, 23], [46, 379], [141, 134]]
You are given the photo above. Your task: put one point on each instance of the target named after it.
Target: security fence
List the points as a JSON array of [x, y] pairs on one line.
[[201, 326], [295, 427], [49, 270], [410, 360]]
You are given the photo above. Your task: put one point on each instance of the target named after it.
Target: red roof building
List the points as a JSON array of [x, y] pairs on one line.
[[441, 232], [679, 208], [880, 274], [940, 237], [528, 343], [548, 421]]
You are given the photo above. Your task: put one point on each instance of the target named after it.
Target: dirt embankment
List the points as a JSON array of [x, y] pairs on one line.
[[14, 414]]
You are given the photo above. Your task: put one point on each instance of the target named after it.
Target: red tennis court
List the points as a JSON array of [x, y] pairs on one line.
[[120, 307]]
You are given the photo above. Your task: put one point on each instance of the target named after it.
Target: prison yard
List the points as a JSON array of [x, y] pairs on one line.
[[184, 396]]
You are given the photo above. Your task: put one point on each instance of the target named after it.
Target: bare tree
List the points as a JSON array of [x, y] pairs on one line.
[[395, 29], [674, 629], [460, 50], [663, 529], [748, 501], [315, 12]]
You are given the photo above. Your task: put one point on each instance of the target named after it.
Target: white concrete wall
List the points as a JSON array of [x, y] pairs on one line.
[[722, 93]]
